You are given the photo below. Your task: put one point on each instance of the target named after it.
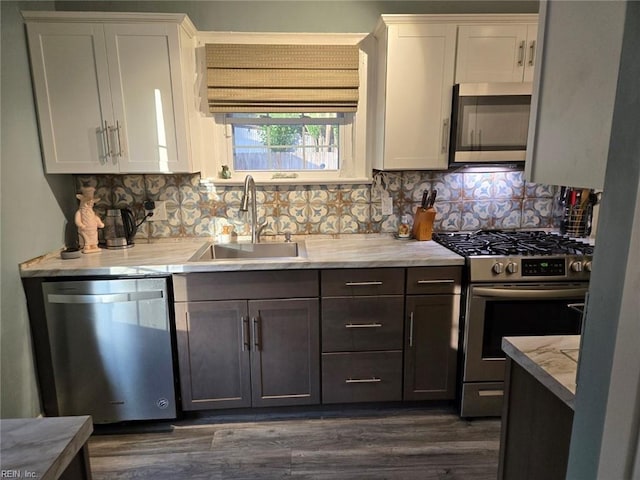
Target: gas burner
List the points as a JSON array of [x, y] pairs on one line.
[[512, 243]]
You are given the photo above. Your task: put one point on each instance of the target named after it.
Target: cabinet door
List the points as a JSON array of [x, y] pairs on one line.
[[213, 354], [285, 354], [431, 347], [71, 83], [491, 53], [419, 81], [146, 85]]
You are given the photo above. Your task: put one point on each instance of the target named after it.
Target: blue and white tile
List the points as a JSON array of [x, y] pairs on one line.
[[330, 224], [190, 214], [128, 190], [317, 194], [537, 213], [507, 214], [415, 180], [189, 186], [508, 185], [449, 186], [476, 215], [265, 194], [205, 228], [478, 186], [536, 190], [361, 212], [163, 188], [299, 213], [390, 223], [349, 224], [317, 212], [232, 196], [356, 193], [448, 217], [285, 224], [293, 195]]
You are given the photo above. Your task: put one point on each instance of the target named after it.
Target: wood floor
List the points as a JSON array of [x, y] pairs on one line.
[[412, 444]]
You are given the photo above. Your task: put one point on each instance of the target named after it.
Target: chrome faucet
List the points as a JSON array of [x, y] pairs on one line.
[[250, 187]]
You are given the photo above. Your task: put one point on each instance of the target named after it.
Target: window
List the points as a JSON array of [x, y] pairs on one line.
[[291, 111]]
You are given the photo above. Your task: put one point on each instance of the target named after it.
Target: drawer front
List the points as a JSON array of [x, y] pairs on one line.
[[195, 287], [482, 399], [433, 280], [368, 281], [361, 377], [351, 324]]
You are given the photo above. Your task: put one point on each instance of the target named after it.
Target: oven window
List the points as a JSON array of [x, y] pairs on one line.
[[524, 318]]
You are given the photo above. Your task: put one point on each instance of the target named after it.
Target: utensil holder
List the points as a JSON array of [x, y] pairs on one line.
[[576, 220], [423, 223]]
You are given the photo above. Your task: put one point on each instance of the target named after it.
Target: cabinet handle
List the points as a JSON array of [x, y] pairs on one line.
[[362, 284], [532, 52], [411, 330], [471, 140], [363, 325], [490, 393], [106, 139], [432, 282], [117, 129], [578, 307], [521, 54], [445, 135], [256, 332], [246, 345], [363, 380]]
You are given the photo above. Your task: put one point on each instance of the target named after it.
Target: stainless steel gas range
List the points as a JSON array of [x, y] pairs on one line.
[[517, 283]]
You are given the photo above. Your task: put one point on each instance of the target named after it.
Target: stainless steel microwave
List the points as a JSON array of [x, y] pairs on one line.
[[489, 122]]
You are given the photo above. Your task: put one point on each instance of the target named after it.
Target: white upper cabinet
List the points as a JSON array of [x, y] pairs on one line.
[[415, 71], [110, 92], [496, 53], [574, 92]]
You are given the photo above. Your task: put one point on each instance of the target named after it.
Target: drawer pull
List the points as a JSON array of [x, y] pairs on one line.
[[363, 380], [491, 393], [432, 282], [411, 329], [362, 284], [362, 325]]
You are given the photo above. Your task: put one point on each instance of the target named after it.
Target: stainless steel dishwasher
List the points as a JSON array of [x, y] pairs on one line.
[[111, 350]]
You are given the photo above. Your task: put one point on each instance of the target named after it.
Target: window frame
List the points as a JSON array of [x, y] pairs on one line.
[[354, 165]]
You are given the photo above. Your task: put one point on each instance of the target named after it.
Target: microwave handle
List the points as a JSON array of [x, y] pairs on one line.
[[445, 135], [528, 293]]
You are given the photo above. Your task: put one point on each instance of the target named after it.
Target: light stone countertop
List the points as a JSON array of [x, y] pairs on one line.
[[42, 447], [553, 360], [165, 257]]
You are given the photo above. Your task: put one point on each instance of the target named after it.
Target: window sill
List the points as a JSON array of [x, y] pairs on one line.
[[239, 180]]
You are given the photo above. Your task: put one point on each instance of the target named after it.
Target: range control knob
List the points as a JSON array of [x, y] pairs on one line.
[[587, 266], [498, 268], [576, 266], [512, 267]]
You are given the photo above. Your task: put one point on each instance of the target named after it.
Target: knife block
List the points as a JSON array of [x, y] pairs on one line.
[[423, 223]]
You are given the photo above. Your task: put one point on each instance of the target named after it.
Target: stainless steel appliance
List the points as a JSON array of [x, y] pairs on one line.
[[489, 122], [110, 347], [518, 283], [119, 228]]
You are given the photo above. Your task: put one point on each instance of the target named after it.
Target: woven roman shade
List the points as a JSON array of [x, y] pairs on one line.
[[265, 78]]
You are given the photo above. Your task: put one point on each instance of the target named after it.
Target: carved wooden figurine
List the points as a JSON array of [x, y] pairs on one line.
[[87, 221]]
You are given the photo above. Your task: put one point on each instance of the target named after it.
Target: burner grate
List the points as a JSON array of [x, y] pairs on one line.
[[512, 243]]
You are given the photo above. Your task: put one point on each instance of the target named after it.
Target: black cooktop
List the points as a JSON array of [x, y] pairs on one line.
[[509, 243]]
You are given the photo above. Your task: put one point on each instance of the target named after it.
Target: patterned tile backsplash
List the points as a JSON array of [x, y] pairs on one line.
[[466, 201]]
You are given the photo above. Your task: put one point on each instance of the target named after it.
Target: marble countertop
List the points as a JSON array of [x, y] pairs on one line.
[[553, 360], [42, 447], [164, 257]]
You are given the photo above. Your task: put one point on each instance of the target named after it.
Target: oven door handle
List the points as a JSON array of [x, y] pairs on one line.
[[523, 293]]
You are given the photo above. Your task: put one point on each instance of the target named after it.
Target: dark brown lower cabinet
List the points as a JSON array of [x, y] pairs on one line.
[[248, 353], [431, 347]]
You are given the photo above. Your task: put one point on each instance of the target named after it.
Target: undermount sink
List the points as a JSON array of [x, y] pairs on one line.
[[226, 251]]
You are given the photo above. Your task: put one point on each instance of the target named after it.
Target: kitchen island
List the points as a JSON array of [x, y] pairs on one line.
[[46, 448], [538, 408]]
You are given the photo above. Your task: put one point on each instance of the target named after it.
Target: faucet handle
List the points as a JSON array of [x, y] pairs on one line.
[[259, 229], [287, 237]]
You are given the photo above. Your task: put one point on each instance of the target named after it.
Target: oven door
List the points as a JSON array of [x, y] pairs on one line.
[[496, 311]]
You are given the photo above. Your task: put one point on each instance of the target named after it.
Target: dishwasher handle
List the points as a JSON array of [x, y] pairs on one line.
[[104, 297]]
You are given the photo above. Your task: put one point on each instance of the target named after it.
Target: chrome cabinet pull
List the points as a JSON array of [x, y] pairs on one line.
[[363, 380], [578, 307], [256, 332], [119, 154], [106, 138], [411, 329], [362, 284], [363, 325], [532, 52], [246, 345], [445, 135], [434, 282], [491, 393], [521, 54], [471, 144]]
